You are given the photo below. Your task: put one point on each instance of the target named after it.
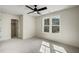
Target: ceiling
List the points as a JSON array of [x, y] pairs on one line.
[[21, 9]]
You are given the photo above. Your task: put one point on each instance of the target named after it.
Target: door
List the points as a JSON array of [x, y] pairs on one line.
[[14, 28]]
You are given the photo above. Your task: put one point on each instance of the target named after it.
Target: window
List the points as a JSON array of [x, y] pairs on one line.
[[46, 21], [51, 24], [55, 29], [46, 28], [46, 25], [55, 21], [55, 24]]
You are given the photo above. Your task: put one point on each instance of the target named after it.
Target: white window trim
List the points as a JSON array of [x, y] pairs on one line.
[[45, 25], [58, 16], [50, 24]]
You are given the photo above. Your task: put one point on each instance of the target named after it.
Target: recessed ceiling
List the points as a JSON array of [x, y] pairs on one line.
[[21, 9]]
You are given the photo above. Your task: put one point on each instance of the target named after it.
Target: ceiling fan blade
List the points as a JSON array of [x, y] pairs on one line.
[[38, 12], [42, 8], [30, 12], [29, 7]]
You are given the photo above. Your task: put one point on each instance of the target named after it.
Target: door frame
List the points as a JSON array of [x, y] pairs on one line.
[[16, 26]]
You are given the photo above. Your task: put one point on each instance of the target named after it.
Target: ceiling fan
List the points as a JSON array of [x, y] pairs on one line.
[[35, 9]]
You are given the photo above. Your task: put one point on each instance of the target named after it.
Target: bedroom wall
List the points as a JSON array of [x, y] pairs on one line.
[[20, 27], [28, 26], [69, 27], [5, 25]]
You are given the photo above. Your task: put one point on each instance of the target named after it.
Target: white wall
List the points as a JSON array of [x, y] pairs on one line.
[[6, 25], [20, 27], [69, 27], [28, 26]]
